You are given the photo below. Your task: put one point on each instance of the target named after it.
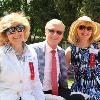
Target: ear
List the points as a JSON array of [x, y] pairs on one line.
[[46, 32]]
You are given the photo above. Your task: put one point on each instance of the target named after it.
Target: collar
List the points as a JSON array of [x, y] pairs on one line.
[[48, 48], [9, 48]]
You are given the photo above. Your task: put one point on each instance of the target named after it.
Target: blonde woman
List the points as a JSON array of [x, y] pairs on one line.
[[19, 78], [82, 56]]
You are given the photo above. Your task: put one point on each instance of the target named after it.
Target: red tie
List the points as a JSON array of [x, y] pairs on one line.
[[54, 74]]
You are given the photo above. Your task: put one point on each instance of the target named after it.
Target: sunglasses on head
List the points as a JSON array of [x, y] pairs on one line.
[[53, 31], [83, 27], [12, 30]]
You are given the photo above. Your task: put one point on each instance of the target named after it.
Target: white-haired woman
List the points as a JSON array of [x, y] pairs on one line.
[[19, 78], [82, 55]]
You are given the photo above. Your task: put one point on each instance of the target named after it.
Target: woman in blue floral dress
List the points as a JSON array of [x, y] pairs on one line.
[[83, 57]]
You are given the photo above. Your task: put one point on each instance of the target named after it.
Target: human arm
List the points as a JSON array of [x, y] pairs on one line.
[[68, 57]]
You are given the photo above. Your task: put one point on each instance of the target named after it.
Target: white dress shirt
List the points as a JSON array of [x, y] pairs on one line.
[[47, 69], [15, 78]]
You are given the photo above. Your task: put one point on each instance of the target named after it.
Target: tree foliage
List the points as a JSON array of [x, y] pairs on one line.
[[41, 11], [92, 9]]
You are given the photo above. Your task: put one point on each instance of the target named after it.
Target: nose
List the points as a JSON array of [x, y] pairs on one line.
[[17, 33], [55, 33], [85, 30]]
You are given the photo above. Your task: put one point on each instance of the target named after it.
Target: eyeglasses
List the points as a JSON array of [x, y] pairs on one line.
[[12, 30], [53, 31], [83, 27]]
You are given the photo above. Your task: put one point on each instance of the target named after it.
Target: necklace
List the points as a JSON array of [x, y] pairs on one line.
[[19, 53]]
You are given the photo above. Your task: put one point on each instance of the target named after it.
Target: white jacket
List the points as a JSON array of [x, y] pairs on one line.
[[15, 78]]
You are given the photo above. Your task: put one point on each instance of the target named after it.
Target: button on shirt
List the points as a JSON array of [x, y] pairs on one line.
[[47, 69]]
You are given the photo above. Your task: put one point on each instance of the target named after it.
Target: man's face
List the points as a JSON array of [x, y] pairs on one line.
[[54, 34]]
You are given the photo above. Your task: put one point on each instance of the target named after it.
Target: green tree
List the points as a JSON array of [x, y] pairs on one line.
[[91, 8], [39, 15], [41, 11]]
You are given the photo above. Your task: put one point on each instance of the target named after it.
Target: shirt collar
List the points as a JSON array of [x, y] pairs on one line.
[[8, 48], [48, 48]]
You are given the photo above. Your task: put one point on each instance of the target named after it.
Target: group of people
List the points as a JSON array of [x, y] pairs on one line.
[[39, 71]]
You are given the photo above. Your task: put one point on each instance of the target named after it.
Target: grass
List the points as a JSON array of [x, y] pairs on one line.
[[70, 79], [70, 82]]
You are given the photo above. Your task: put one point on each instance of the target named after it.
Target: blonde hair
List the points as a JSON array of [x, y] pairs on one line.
[[73, 36], [9, 21]]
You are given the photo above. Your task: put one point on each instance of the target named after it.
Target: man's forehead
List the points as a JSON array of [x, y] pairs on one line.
[[54, 24]]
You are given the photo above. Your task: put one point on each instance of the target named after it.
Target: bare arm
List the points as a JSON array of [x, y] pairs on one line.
[[68, 57]]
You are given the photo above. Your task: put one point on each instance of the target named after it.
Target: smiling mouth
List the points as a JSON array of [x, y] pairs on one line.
[[85, 34], [17, 37], [54, 38]]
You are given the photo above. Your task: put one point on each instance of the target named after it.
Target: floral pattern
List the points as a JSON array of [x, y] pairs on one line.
[[86, 78]]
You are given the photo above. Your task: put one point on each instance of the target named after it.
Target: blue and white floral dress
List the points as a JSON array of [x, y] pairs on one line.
[[86, 70]]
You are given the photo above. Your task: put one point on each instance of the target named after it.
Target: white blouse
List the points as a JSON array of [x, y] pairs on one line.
[[15, 75]]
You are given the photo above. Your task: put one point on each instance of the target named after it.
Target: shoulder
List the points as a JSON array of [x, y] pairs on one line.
[[68, 50], [1, 49], [4, 49], [38, 45], [3, 53], [95, 44], [68, 53], [60, 49]]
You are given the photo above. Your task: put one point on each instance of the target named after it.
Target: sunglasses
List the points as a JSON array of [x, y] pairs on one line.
[[83, 27], [53, 31], [12, 30]]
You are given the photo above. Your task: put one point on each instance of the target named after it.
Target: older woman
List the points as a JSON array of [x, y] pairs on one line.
[[19, 78], [82, 56]]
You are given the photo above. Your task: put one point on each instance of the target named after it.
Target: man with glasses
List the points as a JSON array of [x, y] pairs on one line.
[[54, 31]]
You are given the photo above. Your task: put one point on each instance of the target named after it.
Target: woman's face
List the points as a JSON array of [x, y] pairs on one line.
[[16, 34], [84, 31]]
